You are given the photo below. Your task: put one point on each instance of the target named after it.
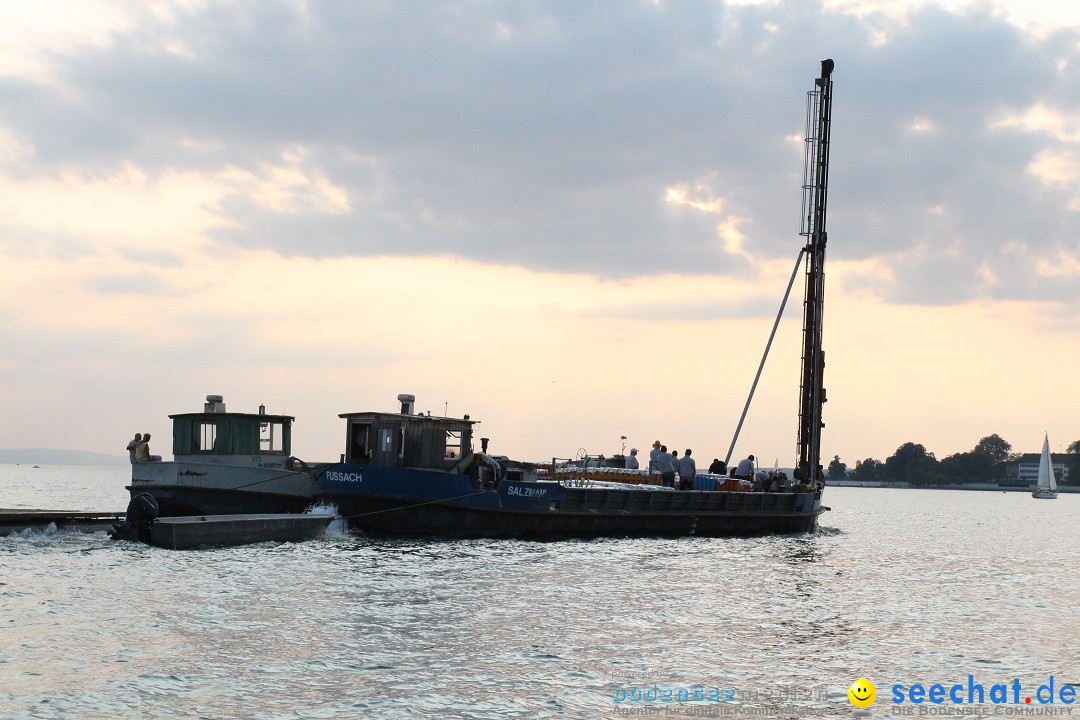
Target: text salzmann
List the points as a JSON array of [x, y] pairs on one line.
[[526, 492]]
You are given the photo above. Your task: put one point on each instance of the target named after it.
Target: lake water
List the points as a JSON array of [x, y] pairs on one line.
[[898, 586]]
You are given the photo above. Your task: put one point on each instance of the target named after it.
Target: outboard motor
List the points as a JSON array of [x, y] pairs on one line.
[[142, 513]]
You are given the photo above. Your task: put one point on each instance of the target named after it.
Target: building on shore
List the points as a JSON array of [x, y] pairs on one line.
[[1028, 467]]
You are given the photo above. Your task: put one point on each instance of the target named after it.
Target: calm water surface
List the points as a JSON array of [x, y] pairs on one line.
[[898, 586]]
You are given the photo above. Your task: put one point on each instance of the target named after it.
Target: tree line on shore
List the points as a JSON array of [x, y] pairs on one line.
[[990, 461]]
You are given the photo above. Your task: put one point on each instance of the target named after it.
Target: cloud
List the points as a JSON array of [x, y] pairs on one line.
[[642, 140]]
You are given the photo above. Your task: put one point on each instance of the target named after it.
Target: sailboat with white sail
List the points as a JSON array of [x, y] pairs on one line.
[[1047, 487]]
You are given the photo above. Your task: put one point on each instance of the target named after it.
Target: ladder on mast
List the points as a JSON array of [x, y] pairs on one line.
[[815, 196]]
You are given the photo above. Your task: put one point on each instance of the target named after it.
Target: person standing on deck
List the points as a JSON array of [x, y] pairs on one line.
[[652, 458], [687, 471], [718, 467], [631, 460], [745, 470], [666, 466]]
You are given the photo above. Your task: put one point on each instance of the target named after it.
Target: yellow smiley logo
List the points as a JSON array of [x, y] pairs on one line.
[[862, 693]]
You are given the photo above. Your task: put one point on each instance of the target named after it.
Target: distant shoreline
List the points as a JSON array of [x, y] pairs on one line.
[[983, 487], [48, 456]]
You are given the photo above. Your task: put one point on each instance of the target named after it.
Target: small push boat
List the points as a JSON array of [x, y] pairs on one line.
[[183, 532]]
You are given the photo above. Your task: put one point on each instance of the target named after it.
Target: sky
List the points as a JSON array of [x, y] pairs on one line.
[[574, 221]]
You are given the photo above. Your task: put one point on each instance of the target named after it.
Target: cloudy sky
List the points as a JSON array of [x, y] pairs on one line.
[[572, 220]]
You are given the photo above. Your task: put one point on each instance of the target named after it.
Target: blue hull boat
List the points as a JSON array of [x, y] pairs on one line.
[[398, 501]]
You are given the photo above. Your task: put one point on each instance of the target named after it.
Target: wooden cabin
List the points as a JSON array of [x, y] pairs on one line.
[[214, 434], [405, 439]]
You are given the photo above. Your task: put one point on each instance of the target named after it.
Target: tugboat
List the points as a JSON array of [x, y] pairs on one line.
[[226, 464], [408, 473], [141, 522], [411, 474]]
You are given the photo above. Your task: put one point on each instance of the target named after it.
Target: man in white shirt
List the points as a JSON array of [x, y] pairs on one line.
[[745, 470]]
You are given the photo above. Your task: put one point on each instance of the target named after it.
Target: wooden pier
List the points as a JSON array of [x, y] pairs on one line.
[[13, 521]]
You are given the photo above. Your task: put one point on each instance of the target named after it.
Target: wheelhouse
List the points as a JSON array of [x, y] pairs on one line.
[[406, 439], [214, 434]]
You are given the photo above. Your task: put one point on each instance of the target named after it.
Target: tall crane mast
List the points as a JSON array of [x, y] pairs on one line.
[[815, 196]]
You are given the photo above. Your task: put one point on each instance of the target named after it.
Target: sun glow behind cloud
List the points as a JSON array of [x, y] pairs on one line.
[[1041, 118], [31, 32], [699, 198], [123, 208], [131, 206], [1038, 16], [34, 36]]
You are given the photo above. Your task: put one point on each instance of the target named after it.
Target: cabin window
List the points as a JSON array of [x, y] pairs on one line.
[[205, 436], [358, 441], [271, 437], [453, 444], [386, 440]]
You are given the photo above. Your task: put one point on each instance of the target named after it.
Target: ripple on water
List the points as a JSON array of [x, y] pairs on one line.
[[901, 586]]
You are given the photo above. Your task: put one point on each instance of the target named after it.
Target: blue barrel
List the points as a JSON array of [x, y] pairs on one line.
[[704, 482]]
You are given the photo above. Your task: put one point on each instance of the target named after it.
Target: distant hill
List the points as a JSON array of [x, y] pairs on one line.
[[44, 456]]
